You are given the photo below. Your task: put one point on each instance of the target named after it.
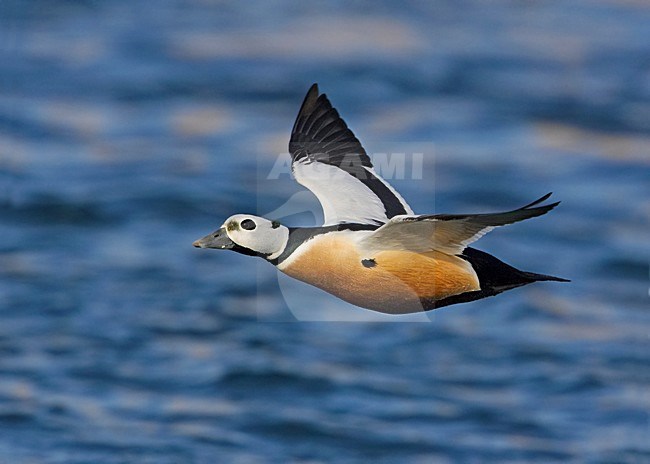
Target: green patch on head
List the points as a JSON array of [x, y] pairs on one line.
[[232, 225]]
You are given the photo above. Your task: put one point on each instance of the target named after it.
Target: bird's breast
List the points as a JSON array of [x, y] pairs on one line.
[[390, 281]]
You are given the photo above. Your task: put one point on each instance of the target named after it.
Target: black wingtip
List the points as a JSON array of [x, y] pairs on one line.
[[545, 208], [533, 210], [308, 103], [538, 201], [312, 94]]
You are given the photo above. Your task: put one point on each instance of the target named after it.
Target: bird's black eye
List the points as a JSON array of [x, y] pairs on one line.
[[248, 224]]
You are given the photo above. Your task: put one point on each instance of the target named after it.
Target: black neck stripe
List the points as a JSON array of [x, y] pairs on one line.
[[300, 235]]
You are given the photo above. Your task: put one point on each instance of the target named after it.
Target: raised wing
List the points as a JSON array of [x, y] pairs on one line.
[[447, 233], [329, 160]]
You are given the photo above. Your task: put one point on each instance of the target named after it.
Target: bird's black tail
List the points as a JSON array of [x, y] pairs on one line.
[[494, 276], [494, 273], [542, 277]]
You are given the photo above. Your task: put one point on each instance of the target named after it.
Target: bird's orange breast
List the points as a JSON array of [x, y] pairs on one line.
[[392, 282]]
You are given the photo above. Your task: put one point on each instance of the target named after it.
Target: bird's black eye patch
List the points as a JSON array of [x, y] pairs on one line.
[[248, 224]]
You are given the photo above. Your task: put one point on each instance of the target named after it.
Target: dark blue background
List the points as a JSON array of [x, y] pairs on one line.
[[129, 129]]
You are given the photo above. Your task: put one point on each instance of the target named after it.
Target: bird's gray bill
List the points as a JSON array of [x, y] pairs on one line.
[[217, 239]]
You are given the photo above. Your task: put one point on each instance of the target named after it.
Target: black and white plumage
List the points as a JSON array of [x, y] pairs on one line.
[[326, 154], [372, 250]]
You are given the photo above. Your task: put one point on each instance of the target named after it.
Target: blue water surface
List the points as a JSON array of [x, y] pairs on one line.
[[130, 129]]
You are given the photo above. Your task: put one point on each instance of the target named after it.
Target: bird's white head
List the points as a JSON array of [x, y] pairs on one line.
[[249, 235]]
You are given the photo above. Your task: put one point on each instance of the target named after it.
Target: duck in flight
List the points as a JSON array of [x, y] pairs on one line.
[[372, 250]]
